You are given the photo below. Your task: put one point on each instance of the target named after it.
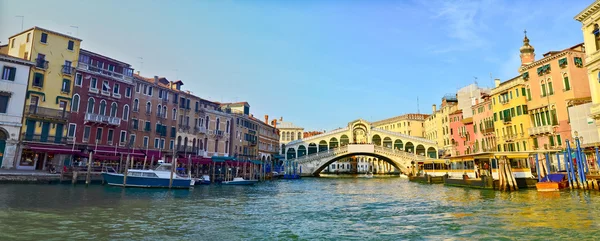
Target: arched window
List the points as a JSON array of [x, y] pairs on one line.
[[113, 109], [207, 121], [566, 83], [148, 107], [165, 111], [550, 87], [543, 90], [102, 109], [125, 112], [528, 93], [299, 135], [227, 126], [218, 122], [158, 109], [75, 103], [174, 114], [90, 105], [136, 105]]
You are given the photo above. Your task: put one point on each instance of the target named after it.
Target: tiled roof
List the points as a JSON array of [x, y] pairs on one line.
[[46, 30]]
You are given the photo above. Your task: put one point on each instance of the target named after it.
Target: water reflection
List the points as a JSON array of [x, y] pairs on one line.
[[311, 208]]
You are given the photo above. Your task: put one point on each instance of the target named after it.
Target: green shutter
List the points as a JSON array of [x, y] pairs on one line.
[[551, 139], [40, 77], [501, 115], [495, 117], [558, 140], [535, 143], [567, 84], [512, 112], [543, 89], [554, 119], [524, 146], [11, 74], [550, 89], [524, 109], [523, 92], [519, 110], [528, 94]]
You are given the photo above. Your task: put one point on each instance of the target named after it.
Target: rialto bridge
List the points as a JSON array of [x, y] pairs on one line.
[[359, 138]]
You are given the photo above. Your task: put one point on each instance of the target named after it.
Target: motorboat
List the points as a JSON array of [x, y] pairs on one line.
[[203, 180], [552, 182], [239, 181], [157, 178]]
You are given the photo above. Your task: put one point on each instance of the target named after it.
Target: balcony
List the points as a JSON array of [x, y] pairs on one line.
[[148, 112], [183, 127], [200, 130], [46, 138], [186, 149], [507, 120], [41, 63], [102, 119], [104, 72], [160, 115], [540, 130], [68, 70], [44, 112], [510, 137], [488, 131]]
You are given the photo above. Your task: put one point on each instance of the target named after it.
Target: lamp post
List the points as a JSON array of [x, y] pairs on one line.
[[412, 163]]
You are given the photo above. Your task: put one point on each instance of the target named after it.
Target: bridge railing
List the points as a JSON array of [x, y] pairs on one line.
[[406, 137], [318, 136], [342, 149]]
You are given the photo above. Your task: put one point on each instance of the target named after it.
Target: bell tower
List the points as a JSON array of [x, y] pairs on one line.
[[527, 52]]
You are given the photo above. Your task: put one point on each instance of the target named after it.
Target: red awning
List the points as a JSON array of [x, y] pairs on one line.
[[106, 158], [52, 149], [201, 160]]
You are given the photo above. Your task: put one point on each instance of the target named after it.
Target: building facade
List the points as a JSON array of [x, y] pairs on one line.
[[268, 141], [461, 130], [47, 112], [408, 124], [437, 125], [511, 118], [553, 83], [244, 139], [590, 21], [101, 103], [13, 87], [483, 125]]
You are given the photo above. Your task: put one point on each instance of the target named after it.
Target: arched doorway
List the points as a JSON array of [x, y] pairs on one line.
[[322, 146], [301, 151], [387, 142], [409, 147], [312, 148], [398, 145], [376, 140], [333, 143], [3, 138], [344, 140], [291, 153], [420, 150], [431, 153]]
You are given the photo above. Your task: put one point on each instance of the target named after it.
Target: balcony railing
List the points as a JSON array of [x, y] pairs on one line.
[[46, 138], [67, 69], [186, 149], [539, 130], [200, 130], [47, 112], [183, 127], [160, 115], [41, 63], [102, 119], [488, 130], [507, 120], [105, 72]]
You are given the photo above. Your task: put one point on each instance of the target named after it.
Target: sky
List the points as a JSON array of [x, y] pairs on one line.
[[317, 63]]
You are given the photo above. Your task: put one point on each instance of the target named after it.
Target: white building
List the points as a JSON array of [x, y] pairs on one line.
[[288, 132], [583, 124], [13, 89], [468, 96]]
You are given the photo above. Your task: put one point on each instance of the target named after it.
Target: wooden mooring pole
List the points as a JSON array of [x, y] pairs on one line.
[[88, 177]]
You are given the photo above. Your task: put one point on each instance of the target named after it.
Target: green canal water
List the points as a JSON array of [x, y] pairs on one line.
[[307, 209]]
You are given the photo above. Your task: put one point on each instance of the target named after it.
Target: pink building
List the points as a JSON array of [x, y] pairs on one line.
[[483, 125], [461, 130]]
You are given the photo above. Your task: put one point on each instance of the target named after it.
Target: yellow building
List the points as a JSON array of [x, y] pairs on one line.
[[408, 124], [437, 125], [46, 106], [590, 20], [511, 119]]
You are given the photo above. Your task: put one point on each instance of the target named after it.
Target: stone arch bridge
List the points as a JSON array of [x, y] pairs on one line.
[[313, 154]]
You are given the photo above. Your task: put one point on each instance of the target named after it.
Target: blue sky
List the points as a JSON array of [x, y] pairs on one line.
[[319, 64]]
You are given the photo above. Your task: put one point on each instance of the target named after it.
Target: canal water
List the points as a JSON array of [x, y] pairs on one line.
[[307, 209]]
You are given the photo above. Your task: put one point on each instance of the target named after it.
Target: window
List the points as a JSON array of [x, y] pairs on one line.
[[102, 109], [125, 112], [543, 90], [162, 144], [44, 38], [123, 137], [145, 141], [156, 142], [147, 126], [28, 37], [75, 103], [567, 84], [174, 114], [99, 134], [94, 83], [550, 89], [150, 91], [137, 87], [519, 110], [131, 139], [8, 73], [86, 133], [558, 140], [136, 105], [78, 79], [173, 132], [528, 94], [90, 106], [70, 45], [148, 107], [4, 98], [111, 67], [105, 86], [66, 86], [128, 92], [171, 143], [134, 124], [38, 80], [72, 129], [113, 109], [116, 89], [160, 93], [110, 136]]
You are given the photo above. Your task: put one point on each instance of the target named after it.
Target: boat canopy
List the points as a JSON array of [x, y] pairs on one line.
[[222, 158], [491, 155], [257, 162]]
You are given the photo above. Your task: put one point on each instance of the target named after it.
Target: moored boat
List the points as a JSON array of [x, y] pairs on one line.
[[157, 178], [552, 183], [203, 180], [239, 181]]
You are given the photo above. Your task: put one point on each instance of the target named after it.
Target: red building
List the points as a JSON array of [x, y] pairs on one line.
[[461, 130], [101, 104]]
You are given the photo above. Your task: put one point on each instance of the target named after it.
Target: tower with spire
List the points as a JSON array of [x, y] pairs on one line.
[[527, 52]]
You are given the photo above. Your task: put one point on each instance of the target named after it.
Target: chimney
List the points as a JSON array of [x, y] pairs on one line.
[[496, 82], [156, 79], [138, 72], [281, 118], [274, 123], [433, 109], [267, 119]]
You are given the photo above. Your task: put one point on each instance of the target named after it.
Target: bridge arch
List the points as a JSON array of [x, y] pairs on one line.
[[291, 153], [371, 156], [387, 142], [398, 145], [301, 151], [431, 152], [312, 148], [409, 147], [322, 146], [376, 140], [333, 143]]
